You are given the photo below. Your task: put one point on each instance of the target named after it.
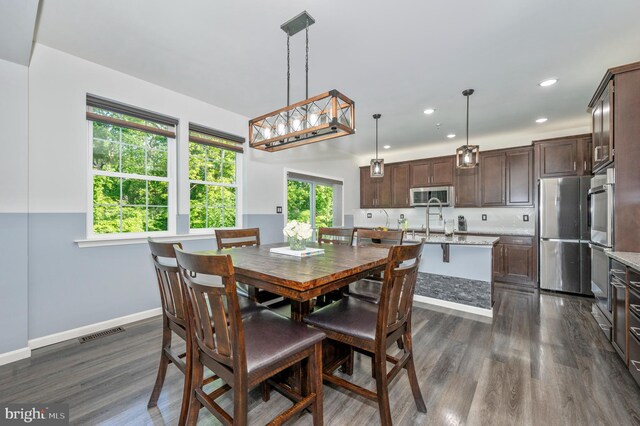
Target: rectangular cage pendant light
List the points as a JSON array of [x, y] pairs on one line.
[[326, 116]]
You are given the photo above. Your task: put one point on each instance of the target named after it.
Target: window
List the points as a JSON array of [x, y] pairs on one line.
[[214, 160], [314, 200], [131, 181]]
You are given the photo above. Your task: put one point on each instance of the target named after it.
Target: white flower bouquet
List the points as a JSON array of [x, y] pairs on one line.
[[298, 233]]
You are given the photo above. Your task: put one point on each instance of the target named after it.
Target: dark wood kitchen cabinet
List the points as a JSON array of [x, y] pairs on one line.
[[565, 156], [400, 185], [633, 314], [618, 288], [602, 128], [514, 260], [432, 172], [492, 172], [376, 192], [467, 187]]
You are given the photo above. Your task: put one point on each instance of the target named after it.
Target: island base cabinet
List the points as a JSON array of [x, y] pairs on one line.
[[515, 260]]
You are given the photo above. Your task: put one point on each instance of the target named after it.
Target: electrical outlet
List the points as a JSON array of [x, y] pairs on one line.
[[484, 217], [525, 218], [279, 209], [401, 216], [369, 215]]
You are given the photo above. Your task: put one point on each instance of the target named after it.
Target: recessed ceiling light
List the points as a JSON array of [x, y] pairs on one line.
[[451, 135], [548, 82], [387, 146], [541, 120], [429, 111]]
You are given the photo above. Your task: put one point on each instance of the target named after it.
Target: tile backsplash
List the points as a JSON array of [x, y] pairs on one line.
[[499, 220]]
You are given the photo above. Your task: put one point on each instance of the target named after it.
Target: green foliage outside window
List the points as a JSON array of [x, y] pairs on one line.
[[299, 203], [129, 204], [213, 195]]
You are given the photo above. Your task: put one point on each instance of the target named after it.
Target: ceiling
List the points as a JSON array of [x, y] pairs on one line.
[[17, 22], [394, 58]]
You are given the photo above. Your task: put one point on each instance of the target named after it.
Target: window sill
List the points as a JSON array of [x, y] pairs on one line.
[[121, 241]]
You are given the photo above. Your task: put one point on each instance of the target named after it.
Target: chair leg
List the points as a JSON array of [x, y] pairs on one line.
[[373, 366], [240, 406], [162, 368], [265, 389], [400, 343], [315, 375], [186, 390], [382, 388], [413, 378], [347, 367], [197, 377]]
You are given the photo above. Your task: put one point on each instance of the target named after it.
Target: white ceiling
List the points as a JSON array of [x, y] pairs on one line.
[[392, 57], [17, 23]]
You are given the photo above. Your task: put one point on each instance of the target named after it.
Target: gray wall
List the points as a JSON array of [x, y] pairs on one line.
[[13, 281]]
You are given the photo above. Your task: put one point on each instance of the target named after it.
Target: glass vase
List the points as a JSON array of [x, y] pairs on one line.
[[297, 243]]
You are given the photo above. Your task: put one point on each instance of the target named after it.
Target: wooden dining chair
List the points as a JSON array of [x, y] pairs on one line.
[[243, 352], [341, 236], [372, 329], [174, 318], [368, 289], [230, 238]]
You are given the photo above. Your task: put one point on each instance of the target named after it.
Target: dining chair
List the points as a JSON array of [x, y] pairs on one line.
[[174, 318], [372, 329], [243, 352], [368, 289], [230, 238], [341, 236]]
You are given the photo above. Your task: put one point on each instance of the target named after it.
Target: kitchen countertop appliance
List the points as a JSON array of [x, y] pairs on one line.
[[564, 235], [462, 224]]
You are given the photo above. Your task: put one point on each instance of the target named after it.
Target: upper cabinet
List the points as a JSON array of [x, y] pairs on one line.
[[467, 187], [432, 172], [507, 177], [377, 192], [602, 127], [566, 156], [400, 185]]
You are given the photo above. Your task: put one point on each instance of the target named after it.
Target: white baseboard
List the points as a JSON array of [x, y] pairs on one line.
[[453, 305], [14, 356], [91, 328]]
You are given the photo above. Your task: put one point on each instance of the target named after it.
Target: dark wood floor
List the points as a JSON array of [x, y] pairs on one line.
[[541, 361]]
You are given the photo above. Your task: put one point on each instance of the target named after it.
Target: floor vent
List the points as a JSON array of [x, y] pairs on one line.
[[94, 336]]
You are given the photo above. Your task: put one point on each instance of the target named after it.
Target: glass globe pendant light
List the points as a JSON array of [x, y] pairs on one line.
[[377, 164]]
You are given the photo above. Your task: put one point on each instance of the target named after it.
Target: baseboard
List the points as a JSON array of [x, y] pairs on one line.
[[14, 356], [452, 305], [91, 328]]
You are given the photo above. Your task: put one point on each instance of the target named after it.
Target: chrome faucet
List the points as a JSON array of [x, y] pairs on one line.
[[386, 224], [439, 214]]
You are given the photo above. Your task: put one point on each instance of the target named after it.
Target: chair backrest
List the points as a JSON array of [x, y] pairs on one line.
[[228, 238], [342, 236], [368, 237], [398, 286], [217, 331], [167, 273]]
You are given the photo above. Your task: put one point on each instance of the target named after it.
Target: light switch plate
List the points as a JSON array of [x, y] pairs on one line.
[[369, 215], [525, 218], [484, 217], [279, 209]]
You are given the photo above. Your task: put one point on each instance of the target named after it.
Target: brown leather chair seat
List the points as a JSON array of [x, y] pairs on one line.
[[349, 316], [270, 338], [248, 307], [366, 289]]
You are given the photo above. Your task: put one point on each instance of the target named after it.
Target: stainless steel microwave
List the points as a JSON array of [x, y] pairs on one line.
[[421, 196]]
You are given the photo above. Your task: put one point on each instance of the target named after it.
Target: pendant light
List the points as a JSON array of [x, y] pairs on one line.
[[326, 116], [467, 156], [377, 164]]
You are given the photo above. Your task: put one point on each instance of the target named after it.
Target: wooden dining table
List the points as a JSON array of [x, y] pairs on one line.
[[300, 279]]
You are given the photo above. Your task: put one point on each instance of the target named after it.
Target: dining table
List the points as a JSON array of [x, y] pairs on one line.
[[301, 279]]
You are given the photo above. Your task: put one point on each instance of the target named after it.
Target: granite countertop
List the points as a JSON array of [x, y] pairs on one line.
[[459, 240], [497, 232], [628, 258]]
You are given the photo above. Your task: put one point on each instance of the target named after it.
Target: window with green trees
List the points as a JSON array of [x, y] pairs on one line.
[[130, 178], [213, 185], [311, 201]]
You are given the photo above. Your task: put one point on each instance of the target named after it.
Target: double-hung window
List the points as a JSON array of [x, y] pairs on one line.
[[132, 182], [214, 171]]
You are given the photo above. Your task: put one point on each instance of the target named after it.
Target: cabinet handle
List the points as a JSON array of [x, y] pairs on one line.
[[635, 331], [636, 364], [585, 166], [635, 308], [574, 166], [617, 271], [617, 285]]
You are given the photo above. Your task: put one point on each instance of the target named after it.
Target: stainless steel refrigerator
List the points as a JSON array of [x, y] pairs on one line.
[[565, 257]]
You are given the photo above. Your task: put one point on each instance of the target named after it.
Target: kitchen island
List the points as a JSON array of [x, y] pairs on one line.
[[456, 272]]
